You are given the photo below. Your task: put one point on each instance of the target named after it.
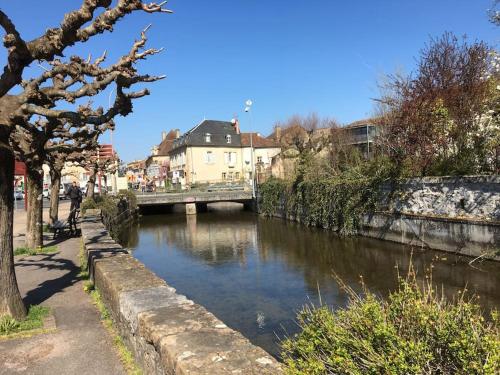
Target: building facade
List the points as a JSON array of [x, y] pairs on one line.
[[157, 165], [258, 152], [208, 153]]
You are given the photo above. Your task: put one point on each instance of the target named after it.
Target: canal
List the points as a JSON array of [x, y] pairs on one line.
[[255, 273]]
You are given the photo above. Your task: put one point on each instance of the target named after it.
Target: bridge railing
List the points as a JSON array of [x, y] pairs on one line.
[[201, 187]]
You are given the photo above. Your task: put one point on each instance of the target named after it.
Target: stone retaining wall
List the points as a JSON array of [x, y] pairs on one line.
[[454, 214], [464, 237], [167, 333], [468, 197]]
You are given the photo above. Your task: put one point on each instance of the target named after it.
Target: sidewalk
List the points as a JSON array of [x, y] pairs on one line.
[[80, 345]]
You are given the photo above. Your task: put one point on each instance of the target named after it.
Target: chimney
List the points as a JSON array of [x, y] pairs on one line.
[[236, 125], [277, 133], [177, 133], [163, 135]]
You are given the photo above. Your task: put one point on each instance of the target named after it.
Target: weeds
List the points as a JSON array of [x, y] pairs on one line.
[[34, 320], [37, 251]]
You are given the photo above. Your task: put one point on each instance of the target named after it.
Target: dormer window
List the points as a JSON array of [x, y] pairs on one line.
[[208, 137], [228, 138]]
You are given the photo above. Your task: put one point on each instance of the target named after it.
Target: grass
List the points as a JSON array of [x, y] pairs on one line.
[[37, 251], [125, 355], [10, 327]]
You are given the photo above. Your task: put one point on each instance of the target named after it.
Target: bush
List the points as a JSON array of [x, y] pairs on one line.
[[414, 331]]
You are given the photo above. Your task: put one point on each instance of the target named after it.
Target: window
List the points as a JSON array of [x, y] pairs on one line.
[[223, 175], [208, 138], [230, 158], [209, 157], [228, 138], [231, 176], [237, 175], [259, 159]]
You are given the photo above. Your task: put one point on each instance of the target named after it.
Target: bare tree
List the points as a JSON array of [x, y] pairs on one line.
[[30, 139], [432, 119], [36, 99]]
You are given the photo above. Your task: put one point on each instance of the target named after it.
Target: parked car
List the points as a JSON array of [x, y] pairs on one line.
[[63, 189], [18, 194]]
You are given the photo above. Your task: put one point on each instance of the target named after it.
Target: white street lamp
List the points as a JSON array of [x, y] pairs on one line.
[[248, 104]]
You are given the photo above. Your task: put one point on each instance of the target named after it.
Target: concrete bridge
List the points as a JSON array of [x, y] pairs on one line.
[[194, 200]]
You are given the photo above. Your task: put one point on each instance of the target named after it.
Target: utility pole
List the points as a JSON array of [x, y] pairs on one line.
[[248, 107]]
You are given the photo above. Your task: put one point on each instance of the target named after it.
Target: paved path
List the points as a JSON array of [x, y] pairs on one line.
[[80, 345], [20, 218]]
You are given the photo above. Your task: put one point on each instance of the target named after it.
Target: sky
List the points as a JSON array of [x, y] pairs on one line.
[[287, 56]]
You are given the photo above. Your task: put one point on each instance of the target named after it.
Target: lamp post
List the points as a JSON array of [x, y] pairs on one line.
[[248, 106]]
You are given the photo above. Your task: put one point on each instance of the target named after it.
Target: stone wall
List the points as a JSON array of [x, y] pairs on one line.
[[167, 333], [464, 237], [454, 214], [474, 197]]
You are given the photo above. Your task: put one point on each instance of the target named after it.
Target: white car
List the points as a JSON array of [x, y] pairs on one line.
[[62, 191], [18, 194]]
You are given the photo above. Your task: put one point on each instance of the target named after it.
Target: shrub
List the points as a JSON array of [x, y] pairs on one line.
[[414, 331]]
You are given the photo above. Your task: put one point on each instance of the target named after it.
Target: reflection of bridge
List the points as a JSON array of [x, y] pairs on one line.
[[194, 200]]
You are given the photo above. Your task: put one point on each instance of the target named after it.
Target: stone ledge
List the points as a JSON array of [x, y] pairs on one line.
[[168, 333]]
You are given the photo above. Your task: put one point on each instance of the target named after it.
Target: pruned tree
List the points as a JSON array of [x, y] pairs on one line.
[[39, 98], [69, 82], [95, 164]]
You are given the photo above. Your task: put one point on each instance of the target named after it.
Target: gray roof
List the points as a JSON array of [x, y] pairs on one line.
[[218, 131]]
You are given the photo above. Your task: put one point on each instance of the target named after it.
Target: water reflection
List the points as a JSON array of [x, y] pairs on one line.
[[255, 273]]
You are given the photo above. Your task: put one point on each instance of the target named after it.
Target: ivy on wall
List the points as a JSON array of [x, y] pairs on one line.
[[335, 203]]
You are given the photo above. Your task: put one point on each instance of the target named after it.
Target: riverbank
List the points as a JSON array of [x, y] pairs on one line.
[[454, 214], [166, 331]]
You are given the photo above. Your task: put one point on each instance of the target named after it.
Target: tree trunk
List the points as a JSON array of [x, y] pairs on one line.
[[11, 302], [105, 191], [34, 230], [91, 185], [55, 183]]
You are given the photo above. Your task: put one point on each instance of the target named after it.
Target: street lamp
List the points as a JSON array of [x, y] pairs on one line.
[[248, 105]]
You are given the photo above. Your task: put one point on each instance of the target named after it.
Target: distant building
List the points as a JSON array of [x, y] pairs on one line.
[[263, 150], [157, 165], [135, 171], [362, 134]]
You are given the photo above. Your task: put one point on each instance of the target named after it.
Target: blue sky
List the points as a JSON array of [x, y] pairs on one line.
[[289, 57]]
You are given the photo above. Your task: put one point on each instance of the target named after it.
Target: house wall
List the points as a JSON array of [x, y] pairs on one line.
[[265, 153], [201, 170], [197, 168]]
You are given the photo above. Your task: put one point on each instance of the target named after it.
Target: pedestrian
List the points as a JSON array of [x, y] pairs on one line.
[[75, 194]]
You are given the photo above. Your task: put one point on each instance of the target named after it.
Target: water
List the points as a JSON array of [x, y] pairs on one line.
[[255, 273]]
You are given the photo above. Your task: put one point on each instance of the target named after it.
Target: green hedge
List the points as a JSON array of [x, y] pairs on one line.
[[414, 331], [335, 203]]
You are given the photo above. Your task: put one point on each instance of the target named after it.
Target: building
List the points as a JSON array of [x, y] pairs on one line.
[[135, 172], [263, 150], [157, 165], [362, 134], [209, 152]]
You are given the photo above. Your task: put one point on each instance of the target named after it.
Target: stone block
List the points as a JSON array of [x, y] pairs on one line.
[[208, 351], [190, 208], [132, 303]]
